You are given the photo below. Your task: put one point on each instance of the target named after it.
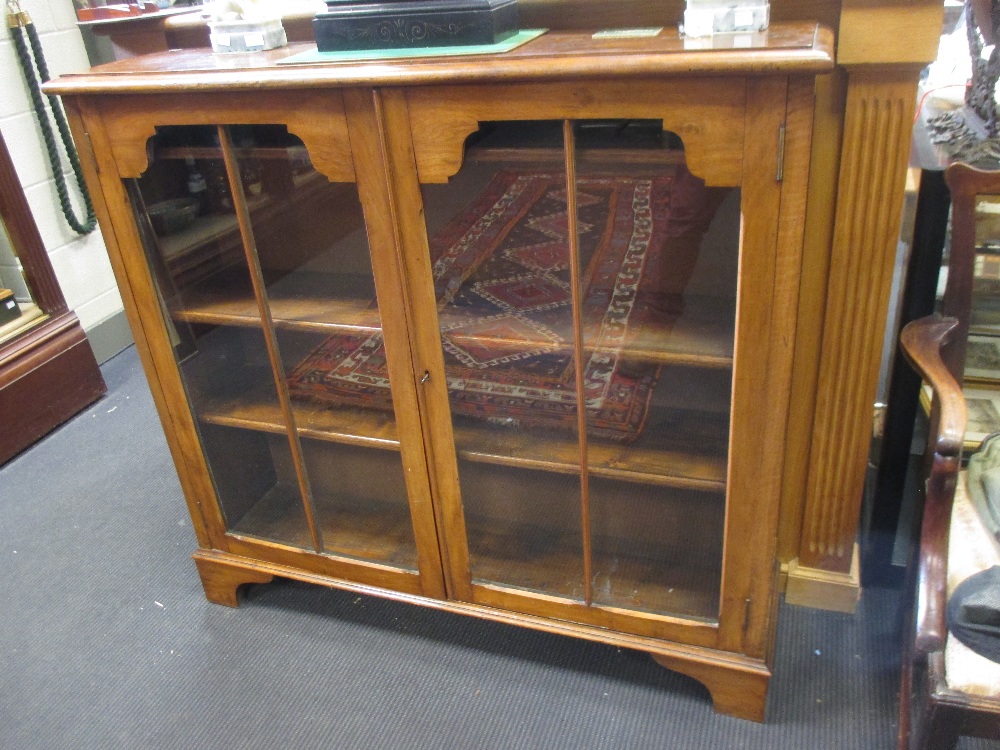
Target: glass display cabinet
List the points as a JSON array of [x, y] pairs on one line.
[[508, 336], [48, 371]]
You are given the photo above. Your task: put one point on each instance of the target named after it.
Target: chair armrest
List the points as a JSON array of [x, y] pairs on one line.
[[922, 341]]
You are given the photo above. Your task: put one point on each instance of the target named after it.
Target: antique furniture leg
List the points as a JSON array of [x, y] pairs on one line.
[[939, 728], [742, 694], [222, 578]]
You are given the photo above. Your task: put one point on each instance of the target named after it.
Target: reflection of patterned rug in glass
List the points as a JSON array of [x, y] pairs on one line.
[[501, 272]]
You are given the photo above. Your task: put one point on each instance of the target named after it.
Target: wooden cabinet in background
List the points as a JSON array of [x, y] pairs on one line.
[[508, 336], [48, 372]]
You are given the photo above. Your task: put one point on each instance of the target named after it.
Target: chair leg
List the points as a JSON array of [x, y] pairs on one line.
[[907, 698], [939, 728], [905, 701]]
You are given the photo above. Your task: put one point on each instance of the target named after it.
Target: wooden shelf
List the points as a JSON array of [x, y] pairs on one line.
[[300, 302], [702, 336], [212, 242], [205, 230], [370, 428], [541, 560], [545, 560], [373, 532], [679, 448], [551, 562]]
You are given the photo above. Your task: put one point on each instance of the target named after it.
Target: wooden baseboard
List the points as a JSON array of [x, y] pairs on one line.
[[824, 589]]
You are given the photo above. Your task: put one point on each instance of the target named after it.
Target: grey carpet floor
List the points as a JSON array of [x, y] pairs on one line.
[[107, 640]]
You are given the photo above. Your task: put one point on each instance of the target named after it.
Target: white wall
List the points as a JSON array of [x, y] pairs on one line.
[[80, 263]]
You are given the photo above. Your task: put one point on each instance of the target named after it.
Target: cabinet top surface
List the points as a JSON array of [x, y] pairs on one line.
[[782, 49]]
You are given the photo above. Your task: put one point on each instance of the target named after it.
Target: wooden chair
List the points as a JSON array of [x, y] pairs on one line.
[[948, 690]]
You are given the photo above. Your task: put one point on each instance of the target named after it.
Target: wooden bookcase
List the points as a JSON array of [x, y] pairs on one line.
[[384, 362]]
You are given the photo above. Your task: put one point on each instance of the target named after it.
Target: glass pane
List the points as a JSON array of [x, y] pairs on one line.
[[658, 254], [360, 498], [343, 411], [18, 310], [986, 272], [315, 262], [278, 336], [656, 548], [523, 527], [187, 219], [498, 236], [982, 354]]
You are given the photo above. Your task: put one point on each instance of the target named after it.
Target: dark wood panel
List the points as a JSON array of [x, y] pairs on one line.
[[46, 377], [26, 241], [47, 373]]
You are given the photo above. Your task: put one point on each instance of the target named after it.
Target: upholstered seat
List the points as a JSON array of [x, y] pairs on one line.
[[971, 548]]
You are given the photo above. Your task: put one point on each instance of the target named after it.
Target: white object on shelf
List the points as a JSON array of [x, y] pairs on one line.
[[706, 17], [247, 36]]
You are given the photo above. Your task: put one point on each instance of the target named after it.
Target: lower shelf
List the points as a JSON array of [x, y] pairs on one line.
[[552, 565], [375, 533], [652, 548], [681, 448], [548, 560]]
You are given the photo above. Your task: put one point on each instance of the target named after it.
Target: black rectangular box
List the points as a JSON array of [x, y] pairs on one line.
[[9, 309], [396, 24]]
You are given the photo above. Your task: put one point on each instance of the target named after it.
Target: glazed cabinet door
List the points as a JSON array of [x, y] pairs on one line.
[[598, 268], [276, 350]]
